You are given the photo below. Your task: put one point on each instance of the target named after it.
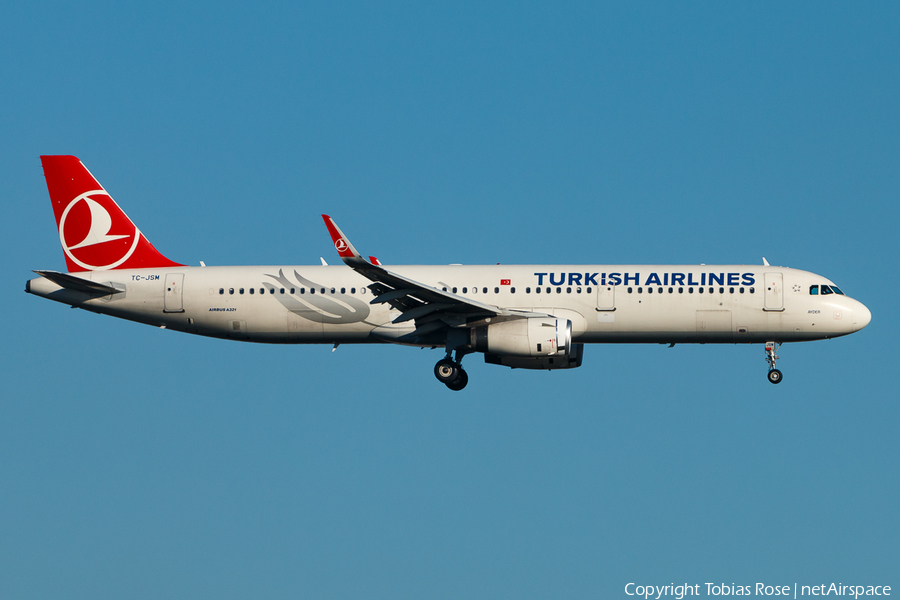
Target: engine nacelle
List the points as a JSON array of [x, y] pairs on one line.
[[533, 343], [546, 363]]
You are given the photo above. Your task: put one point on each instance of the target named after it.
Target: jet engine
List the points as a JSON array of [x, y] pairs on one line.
[[532, 343]]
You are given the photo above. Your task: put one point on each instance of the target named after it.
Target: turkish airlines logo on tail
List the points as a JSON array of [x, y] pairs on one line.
[[94, 232], [340, 245]]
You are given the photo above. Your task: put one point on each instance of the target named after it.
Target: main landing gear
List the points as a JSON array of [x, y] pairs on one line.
[[448, 370], [774, 374], [451, 374]]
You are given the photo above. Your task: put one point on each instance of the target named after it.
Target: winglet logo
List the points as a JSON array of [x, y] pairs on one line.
[[94, 232]]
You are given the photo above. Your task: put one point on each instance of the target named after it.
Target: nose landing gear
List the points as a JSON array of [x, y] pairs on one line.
[[774, 375]]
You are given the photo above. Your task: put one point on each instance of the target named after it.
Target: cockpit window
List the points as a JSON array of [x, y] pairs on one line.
[[826, 289]]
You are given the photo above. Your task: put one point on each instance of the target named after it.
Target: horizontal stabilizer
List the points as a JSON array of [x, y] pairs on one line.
[[71, 282]]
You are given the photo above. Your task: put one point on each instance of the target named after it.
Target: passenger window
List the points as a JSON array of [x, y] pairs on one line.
[[588, 290], [700, 290], [352, 290], [559, 290], [528, 290], [640, 290], [629, 290], [302, 290], [752, 290], [332, 291], [292, 291], [252, 290], [312, 290], [742, 290], [241, 291], [690, 290], [231, 291], [813, 290], [512, 290], [363, 290], [649, 290], [721, 290], [465, 290], [670, 290], [454, 290], [730, 290], [578, 290], [221, 291], [537, 290], [681, 290], [496, 290], [484, 290], [568, 290]]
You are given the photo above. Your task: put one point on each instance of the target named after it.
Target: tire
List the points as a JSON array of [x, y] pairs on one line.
[[446, 371], [461, 380], [775, 376]]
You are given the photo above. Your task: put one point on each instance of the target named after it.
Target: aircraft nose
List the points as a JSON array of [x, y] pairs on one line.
[[861, 317]]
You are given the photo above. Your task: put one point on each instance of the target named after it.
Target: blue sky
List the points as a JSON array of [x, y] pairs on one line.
[[143, 463]]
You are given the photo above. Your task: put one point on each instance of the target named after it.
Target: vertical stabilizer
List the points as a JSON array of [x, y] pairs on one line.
[[94, 232]]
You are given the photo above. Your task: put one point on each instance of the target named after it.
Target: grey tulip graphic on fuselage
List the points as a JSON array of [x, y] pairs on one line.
[[317, 306]]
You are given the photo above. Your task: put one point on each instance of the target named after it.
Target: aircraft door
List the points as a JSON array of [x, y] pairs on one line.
[[173, 298], [774, 292], [606, 297]]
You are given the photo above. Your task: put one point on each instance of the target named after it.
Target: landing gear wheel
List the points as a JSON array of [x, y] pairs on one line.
[[447, 371], [774, 374], [460, 382]]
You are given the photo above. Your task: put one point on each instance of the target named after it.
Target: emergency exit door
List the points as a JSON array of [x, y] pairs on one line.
[[774, 291], [606, 297], [174, 302]]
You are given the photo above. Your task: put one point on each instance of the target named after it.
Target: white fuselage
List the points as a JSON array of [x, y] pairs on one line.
[[605, 304]]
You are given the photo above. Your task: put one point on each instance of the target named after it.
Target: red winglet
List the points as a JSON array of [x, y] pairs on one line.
[[341, 244], [375, 261]]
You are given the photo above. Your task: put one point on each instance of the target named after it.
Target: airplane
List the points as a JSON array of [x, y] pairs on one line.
[[518, 316]]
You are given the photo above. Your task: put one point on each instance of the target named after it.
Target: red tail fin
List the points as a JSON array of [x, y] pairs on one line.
[[94, 232]]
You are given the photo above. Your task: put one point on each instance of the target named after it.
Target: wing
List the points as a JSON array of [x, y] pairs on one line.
[[433, 309]]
